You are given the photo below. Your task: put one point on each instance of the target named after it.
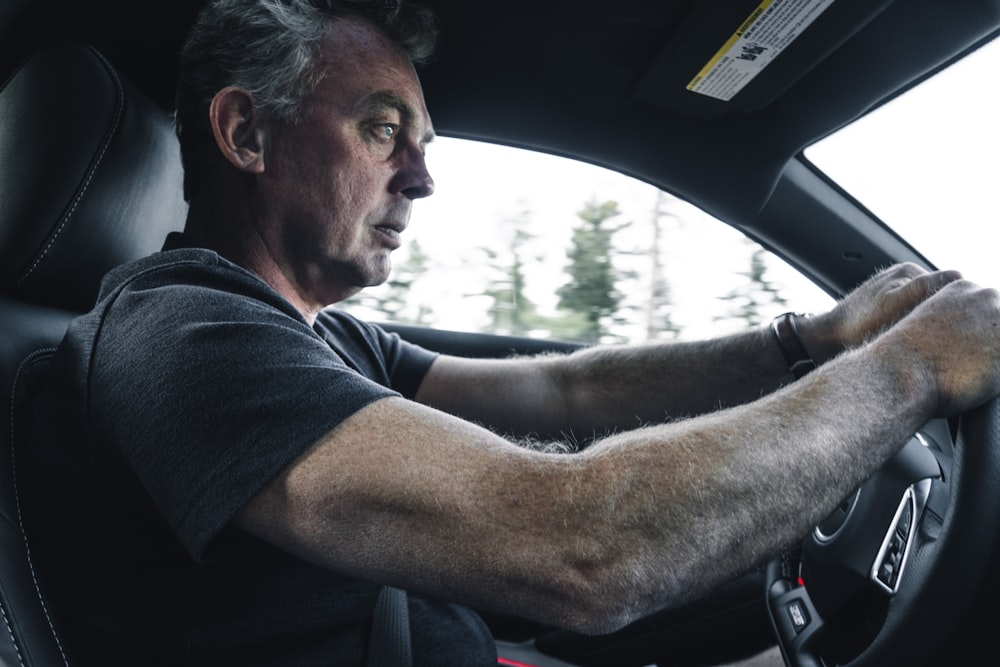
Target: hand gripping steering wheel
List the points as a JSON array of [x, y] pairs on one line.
[[886, 577]]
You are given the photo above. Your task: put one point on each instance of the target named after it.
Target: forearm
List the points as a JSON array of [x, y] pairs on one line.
[[617, 387], [603, 389], [621, 387], [682, 507]]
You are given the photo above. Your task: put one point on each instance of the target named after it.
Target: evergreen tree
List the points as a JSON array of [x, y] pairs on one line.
[[754, 302], [591, 291], [511, 312]]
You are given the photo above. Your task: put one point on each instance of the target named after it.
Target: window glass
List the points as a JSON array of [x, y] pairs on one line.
[[522, 243], [928, 164]]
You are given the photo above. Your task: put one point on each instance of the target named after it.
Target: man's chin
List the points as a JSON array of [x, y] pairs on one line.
[[378, 273], [378, 279]]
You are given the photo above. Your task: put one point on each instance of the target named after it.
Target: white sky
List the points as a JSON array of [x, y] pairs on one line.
[[928, 164]]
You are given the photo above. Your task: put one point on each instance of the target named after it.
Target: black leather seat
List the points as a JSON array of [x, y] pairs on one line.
[[90, 177]]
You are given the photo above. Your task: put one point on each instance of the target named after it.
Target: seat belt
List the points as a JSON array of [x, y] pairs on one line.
[[389, 644]]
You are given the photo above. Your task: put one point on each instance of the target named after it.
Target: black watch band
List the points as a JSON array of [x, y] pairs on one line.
[[787, 335]]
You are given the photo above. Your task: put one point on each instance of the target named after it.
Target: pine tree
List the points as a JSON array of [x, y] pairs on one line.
[[511, 312], [754, 302], [591, 291]]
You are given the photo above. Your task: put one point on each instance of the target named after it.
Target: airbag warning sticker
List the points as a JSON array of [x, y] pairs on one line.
[[767, 31]]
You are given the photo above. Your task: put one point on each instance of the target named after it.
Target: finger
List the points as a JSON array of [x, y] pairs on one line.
[[903, 271], [957, 287], [895, 277], [908, 286], [938, 279], [985, 299], [927, 284]]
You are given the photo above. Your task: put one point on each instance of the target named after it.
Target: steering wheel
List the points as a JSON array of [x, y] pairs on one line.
[[884, 579]]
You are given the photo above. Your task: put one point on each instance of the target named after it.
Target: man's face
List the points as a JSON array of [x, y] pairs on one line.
[[337, 187]]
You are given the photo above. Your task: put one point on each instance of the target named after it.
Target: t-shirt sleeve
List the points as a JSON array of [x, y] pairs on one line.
[[210, 384], [375, 352]]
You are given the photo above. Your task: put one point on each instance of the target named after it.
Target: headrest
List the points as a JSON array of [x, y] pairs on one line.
[[90, 176]]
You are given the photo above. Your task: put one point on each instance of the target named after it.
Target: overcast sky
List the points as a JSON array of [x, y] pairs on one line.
[[929, 165]]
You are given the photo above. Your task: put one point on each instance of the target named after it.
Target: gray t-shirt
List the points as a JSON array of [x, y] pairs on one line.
[[188, 388]]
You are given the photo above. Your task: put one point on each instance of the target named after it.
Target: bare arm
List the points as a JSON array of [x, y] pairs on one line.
[[407, 495], [602, 389]]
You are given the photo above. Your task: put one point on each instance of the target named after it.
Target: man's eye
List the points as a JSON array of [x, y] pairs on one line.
[[385, 131]]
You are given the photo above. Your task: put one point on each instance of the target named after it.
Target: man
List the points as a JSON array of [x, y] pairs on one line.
[[261, 466]]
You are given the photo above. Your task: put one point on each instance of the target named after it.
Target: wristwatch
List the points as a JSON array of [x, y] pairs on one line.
[[787, 335]]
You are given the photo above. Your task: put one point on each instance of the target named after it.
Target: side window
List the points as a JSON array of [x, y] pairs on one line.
[[522, 243]]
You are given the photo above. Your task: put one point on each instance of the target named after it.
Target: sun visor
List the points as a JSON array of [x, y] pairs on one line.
[[741, 55]]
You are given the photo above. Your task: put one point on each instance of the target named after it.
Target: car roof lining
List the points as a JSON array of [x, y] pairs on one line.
[[702, 157], [603, 81]]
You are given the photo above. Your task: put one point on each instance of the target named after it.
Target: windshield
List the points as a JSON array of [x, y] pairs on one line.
[[928, 164]]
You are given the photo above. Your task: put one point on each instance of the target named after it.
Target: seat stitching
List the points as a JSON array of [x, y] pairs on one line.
[[31, 358], [90, 174], [10, 631]]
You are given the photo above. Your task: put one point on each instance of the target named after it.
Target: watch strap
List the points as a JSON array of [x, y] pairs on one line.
[[787, 336]]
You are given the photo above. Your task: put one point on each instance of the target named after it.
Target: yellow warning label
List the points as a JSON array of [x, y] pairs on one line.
[[769, 29]]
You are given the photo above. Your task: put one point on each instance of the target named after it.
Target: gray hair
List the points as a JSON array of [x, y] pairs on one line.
[[271, 48]]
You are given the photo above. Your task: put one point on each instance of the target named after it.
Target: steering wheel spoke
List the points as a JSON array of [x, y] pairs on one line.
[[854, 563], [796, 622], [890, 563]]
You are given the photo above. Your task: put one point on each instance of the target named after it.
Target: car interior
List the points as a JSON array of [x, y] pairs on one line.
[[90, 178]]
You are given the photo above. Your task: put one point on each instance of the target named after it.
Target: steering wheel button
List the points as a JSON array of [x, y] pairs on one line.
[[905, 518], [798, 615], [897, 548], [887, 573]]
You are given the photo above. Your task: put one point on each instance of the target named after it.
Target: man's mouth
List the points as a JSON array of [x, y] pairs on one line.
[[391, 232]]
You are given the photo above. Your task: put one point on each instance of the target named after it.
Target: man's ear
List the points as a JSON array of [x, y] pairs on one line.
[[236, 124]]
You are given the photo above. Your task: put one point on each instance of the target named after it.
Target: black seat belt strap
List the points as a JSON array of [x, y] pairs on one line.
[[389, 644]]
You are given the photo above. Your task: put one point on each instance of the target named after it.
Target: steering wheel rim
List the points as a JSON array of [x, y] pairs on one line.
[[948, 539]]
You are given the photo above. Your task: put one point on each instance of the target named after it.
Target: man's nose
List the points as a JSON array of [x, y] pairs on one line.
[[413, 179]]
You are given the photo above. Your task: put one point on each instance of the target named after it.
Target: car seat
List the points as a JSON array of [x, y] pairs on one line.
[[90, 177]]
